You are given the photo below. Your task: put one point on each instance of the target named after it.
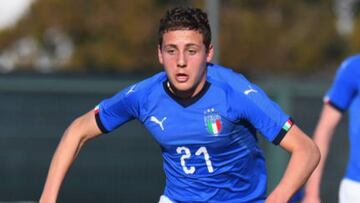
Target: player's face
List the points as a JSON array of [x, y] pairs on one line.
[[184, 57]]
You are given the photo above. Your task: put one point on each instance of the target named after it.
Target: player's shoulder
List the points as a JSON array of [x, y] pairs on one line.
[[227, 78], [222, 72], [350, 66], [147, 85]]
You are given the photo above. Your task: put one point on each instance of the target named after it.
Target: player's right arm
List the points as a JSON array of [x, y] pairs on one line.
[[81, 130], [324, 132]]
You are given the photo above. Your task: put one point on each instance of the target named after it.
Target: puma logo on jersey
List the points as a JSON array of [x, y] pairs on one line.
[[247, 92], [131, 89], [160, 123]]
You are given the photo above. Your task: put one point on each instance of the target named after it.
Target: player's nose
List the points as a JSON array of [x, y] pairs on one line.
[[181, 60]]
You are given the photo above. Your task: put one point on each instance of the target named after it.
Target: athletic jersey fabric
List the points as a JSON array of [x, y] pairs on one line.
[[208, 143]]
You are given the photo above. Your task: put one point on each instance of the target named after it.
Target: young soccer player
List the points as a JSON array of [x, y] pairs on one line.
[[204, 117], [344, 94]]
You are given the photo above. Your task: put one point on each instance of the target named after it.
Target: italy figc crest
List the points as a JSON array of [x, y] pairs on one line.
[[212, 121]]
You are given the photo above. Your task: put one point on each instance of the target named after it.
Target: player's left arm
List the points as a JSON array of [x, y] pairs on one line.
[[304, 158]]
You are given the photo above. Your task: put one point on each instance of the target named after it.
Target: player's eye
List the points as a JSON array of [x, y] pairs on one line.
[[192, 51], [170, 51]]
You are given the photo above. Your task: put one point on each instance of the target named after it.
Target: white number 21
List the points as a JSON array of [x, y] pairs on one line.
[[187, 154]]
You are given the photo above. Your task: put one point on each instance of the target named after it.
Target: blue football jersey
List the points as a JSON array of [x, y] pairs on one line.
[[209, 144], [344, 94]]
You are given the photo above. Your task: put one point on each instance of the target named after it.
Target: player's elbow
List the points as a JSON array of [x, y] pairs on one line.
[[317, 154], [312, 152]]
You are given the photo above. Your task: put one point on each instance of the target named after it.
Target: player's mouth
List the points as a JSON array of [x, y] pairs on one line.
[[181, 77]]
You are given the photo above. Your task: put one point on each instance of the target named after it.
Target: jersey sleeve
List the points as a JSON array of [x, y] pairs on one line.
[[344, 87], [252, 104], [113, 112], [267, 116]]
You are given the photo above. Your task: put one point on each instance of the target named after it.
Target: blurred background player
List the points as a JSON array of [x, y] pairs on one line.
[[344, 94], [204, 116]]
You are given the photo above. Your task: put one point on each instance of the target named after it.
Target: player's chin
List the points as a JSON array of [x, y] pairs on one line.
[[183, 86]]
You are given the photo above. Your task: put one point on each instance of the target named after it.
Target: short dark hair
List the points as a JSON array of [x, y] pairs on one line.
[[185, 18]]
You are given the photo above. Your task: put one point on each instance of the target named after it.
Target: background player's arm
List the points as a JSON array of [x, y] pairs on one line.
[[324, 131], [304, 158], [80, 130]]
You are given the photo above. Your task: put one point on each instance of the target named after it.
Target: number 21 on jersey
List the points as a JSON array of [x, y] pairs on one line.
[[186, 154]]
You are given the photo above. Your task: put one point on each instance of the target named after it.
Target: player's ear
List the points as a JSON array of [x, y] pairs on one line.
[[160, 56], [210, 53]]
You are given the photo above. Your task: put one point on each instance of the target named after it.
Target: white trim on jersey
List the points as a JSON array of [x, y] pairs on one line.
[[349, 191], [164, 199]]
